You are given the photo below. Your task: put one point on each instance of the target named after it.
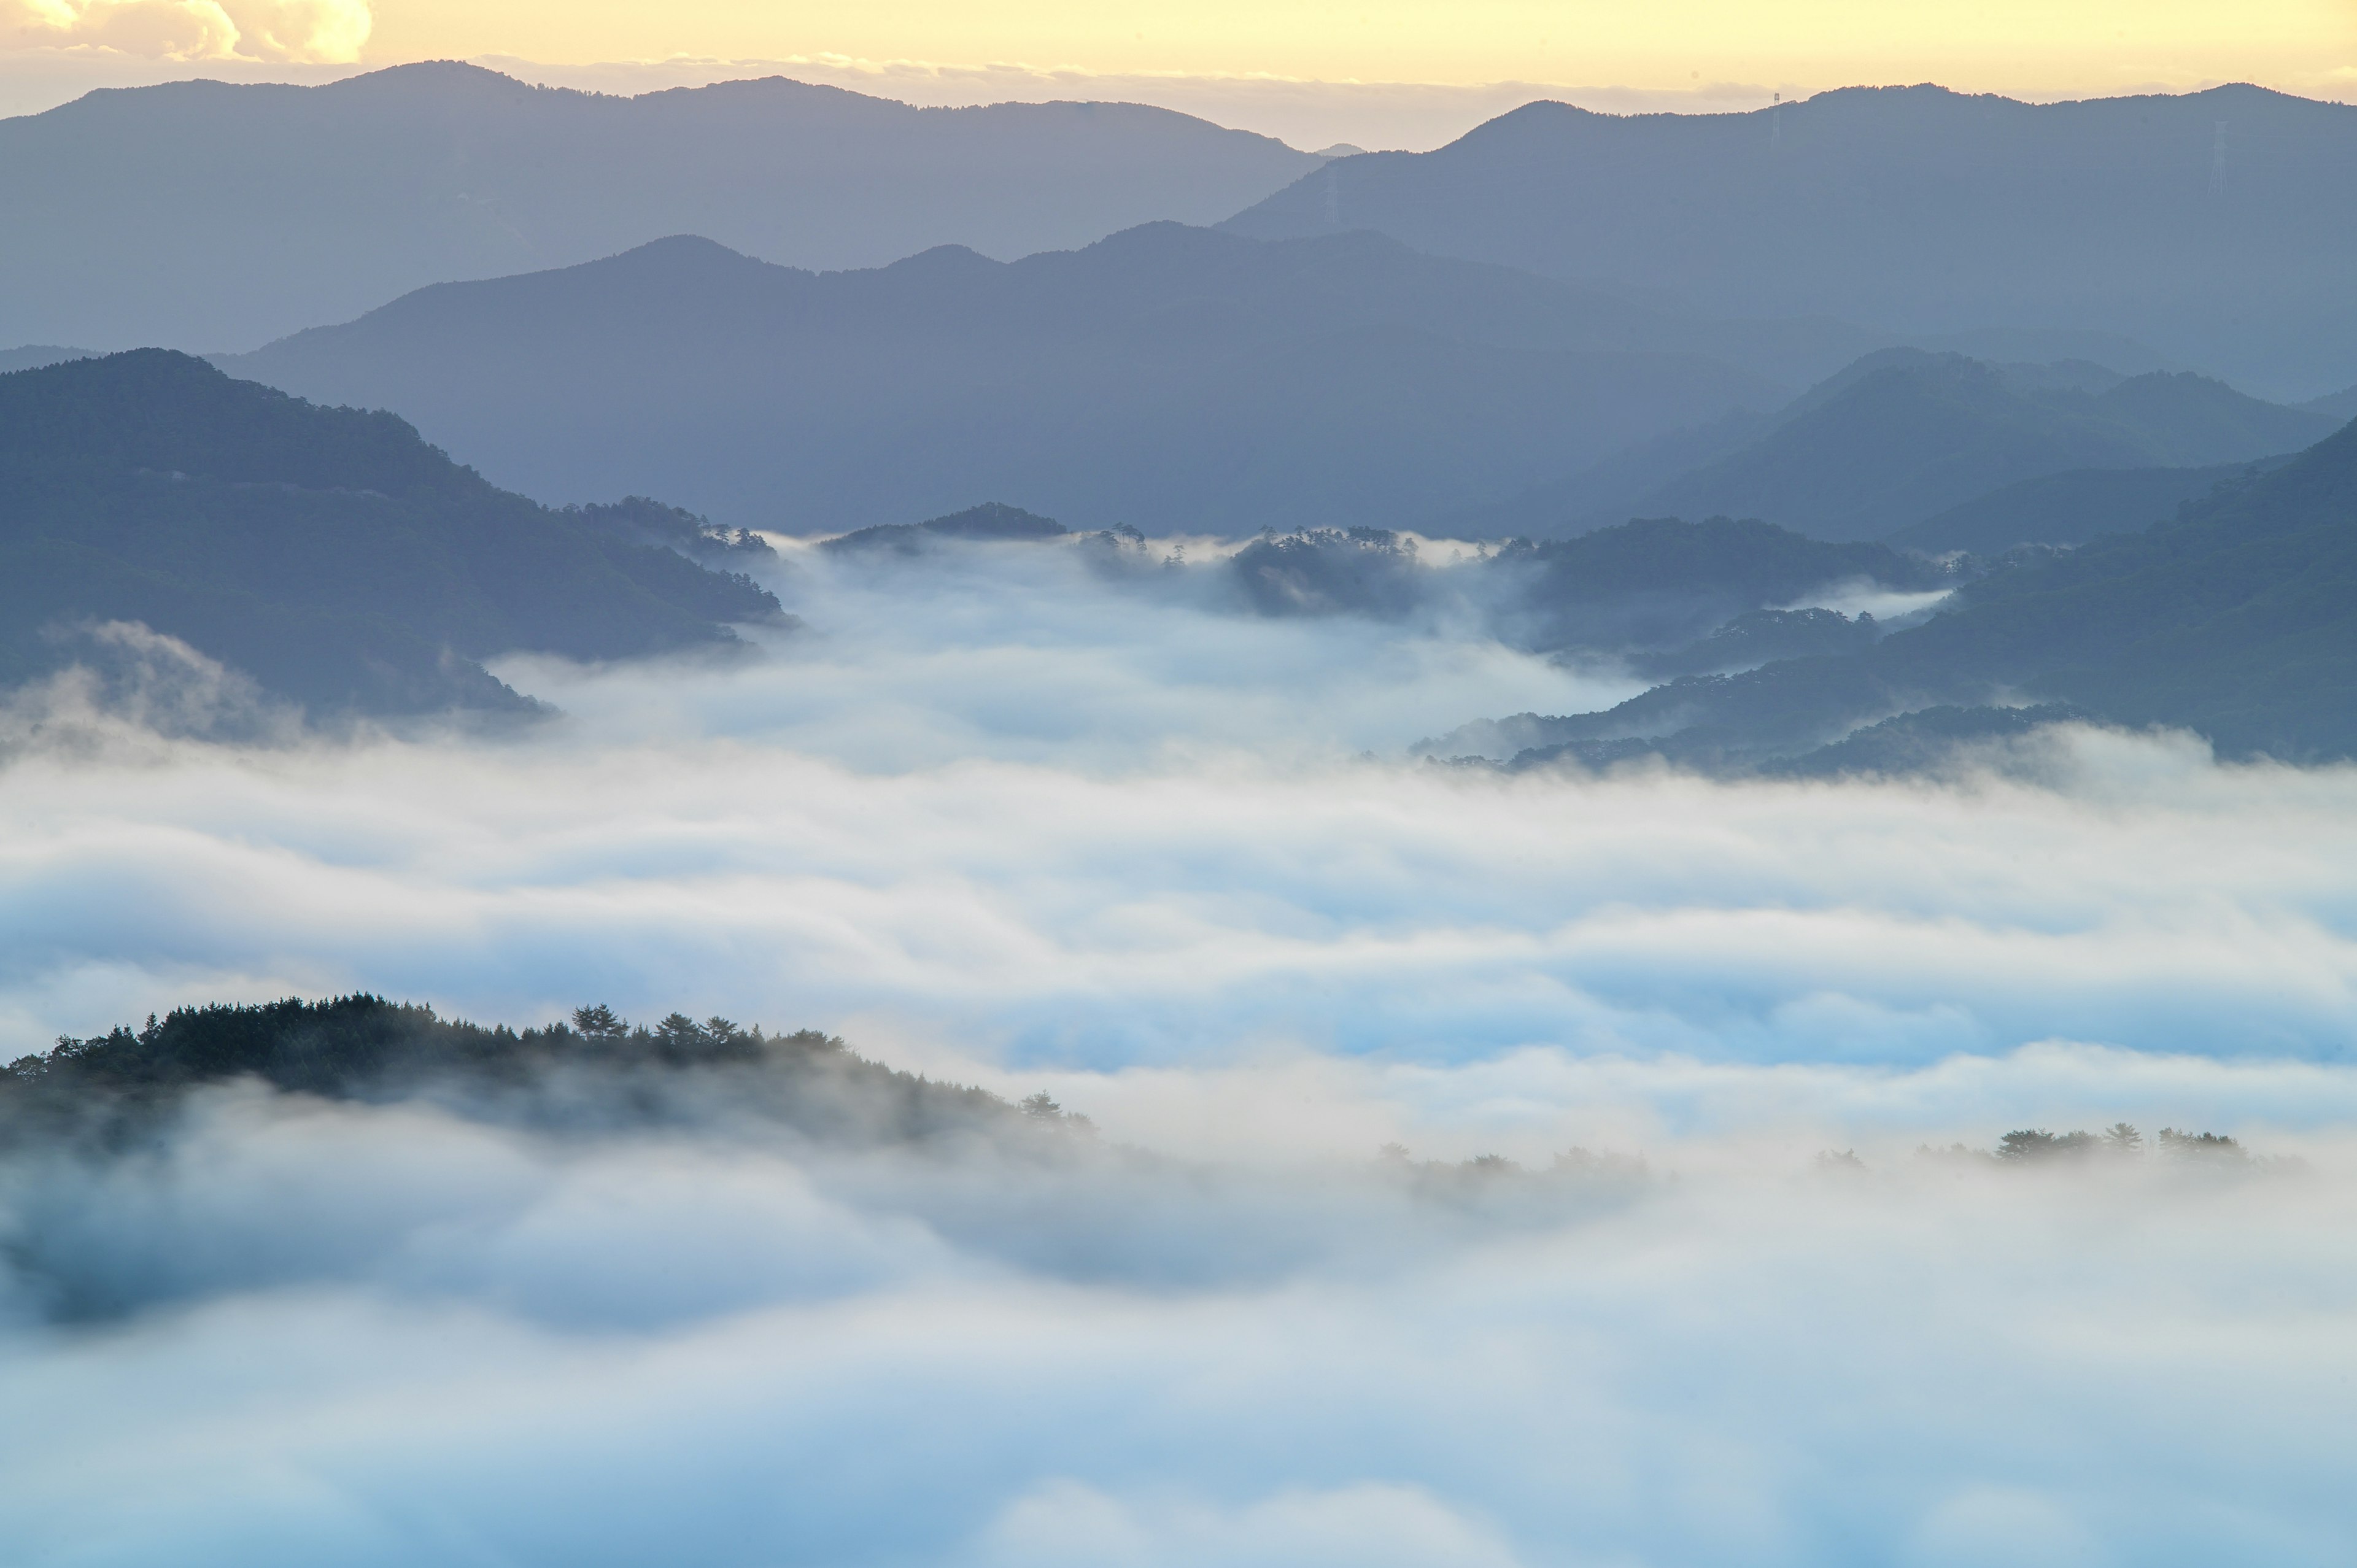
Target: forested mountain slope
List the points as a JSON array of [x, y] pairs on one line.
[[330, 553]]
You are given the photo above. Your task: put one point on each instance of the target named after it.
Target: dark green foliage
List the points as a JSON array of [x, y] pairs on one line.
[[2041, 1145], [330, 554], [2209, 1146], [597, 1071], [2032, 1148]]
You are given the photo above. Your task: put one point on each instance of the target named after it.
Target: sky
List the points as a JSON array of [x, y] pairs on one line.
[[1391, 72]]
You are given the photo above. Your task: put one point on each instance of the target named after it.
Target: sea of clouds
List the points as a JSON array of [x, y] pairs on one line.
[[993, 815]]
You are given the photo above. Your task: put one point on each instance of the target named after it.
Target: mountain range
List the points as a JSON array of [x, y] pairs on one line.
[[1183, 379], [1902, 437], [329, 554], [2236, 619], [2205, 225], [1174, 379], [205, 216]]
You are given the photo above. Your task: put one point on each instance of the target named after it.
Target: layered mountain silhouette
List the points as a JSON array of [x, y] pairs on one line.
[[327, 553], [1168, 377], [35, 355], [206, 215], [2236, 619], [2198, 223], [1937, 451], [2067, 509], [1902, 437]]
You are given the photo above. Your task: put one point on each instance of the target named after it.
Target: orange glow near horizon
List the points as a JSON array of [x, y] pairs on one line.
[[2028, 48]]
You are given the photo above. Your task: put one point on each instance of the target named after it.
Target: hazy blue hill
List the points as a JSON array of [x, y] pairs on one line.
[[2199, 223], [328, 552], [2341, 406], [2237, 619], [2064, 508], [33, 356], [1904, 435], [992, 521], [1168, 377], [208, 216], [1664, 585], [2199, 421]]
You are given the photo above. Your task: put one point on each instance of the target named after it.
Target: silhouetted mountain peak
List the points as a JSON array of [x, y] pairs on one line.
[[991, 523], [329, 552], [2191, 222], [943, 262], [439, 79], [154, 410]]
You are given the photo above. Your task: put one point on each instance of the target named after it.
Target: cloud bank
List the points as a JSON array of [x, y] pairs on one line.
[[998, 807], [276, 31], [387, 1334], [1000, 818]]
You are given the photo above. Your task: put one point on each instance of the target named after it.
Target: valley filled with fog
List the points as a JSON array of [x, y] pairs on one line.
[[753, 825], [995, 814]]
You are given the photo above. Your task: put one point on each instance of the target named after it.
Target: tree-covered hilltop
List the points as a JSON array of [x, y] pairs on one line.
[[327, 553], [595, 1070]]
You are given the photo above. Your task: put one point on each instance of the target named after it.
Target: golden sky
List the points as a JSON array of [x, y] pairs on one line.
[[2038, 47]]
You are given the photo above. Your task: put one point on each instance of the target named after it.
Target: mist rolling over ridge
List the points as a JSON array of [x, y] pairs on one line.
[[1038, 832], [776, 829]]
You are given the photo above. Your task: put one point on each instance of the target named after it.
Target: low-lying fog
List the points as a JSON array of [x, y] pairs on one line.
[[996, 817]]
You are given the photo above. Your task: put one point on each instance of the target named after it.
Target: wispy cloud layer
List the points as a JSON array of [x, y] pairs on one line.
[[290, 31], [1000, 819], [398, 1335], [1003, 810]]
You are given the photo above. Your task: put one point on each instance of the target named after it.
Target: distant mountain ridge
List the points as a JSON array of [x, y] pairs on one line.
[[205, 216], [2067, 509], [328, 553], [1171, 378], [2198, 223], [1903, 435], [2237, 619]]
